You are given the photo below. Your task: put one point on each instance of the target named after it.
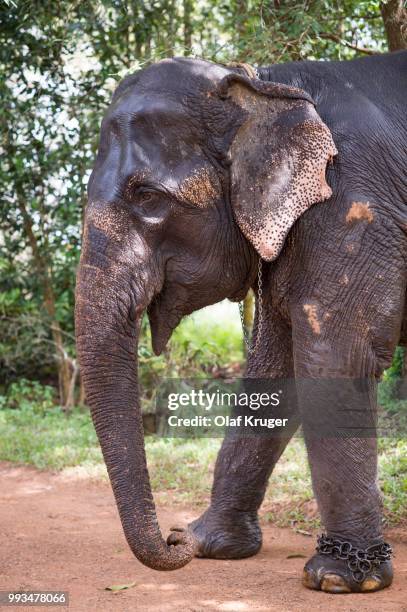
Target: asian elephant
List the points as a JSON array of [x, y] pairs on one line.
[[202, 169]]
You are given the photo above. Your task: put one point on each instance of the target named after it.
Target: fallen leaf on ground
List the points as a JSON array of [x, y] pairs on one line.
[[303, 532], [120, 587]]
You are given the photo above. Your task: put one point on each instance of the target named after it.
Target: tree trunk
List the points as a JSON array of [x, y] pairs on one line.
[[188, 7], [61, 357], [241, 29], [248, 317], [401, 391], [82, 395], [395, 24]]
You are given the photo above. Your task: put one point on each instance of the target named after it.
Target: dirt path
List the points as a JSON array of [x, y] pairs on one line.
[[59, 533]]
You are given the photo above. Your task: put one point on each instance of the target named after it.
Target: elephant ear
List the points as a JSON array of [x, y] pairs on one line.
[[278, 159]]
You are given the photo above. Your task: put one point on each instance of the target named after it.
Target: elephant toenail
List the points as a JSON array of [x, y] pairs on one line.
[[173, 539], [310, 580], [332, 583], [370, 584]]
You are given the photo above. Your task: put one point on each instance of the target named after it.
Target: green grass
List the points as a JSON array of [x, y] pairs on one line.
[[48, 439], [393, 478], [180, 469], [34, 431]]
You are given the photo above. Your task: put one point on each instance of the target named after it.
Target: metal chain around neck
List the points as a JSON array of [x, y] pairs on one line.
[[259, 307]]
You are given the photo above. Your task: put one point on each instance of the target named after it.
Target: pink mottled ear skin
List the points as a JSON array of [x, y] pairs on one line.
[[279, 157]]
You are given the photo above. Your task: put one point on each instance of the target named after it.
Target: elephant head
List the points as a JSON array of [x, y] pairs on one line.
[[199, 171]]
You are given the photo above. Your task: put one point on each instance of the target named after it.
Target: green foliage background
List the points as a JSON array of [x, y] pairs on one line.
[[59, 63]]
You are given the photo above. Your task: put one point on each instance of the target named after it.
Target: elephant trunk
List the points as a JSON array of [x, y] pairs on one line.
[[108, 320]]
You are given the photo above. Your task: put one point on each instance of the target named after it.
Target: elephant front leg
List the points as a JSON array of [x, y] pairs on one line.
[[230, 529], [337, 399]]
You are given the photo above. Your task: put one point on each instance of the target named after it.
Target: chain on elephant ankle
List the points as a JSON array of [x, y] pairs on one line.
[[360, 562], [259, 307]]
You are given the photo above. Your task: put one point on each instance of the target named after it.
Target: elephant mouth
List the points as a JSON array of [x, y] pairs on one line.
[[162, 324], [164, 315]]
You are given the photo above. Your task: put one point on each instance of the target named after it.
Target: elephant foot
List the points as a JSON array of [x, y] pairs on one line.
[[339, 567], [227, 535]]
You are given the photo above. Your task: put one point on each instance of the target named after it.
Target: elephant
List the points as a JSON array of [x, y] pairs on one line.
[[204, 172]]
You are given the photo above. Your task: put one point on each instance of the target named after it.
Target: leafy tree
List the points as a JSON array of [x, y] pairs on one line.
[[59, 63], [47, 152]]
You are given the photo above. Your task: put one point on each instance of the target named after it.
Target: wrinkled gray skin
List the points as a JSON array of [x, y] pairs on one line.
[[199, 172]]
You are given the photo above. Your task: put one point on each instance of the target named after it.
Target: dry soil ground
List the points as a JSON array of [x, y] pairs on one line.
[[59, 533]]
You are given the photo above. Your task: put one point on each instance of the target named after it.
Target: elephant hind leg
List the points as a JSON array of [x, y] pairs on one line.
[[336, 372]]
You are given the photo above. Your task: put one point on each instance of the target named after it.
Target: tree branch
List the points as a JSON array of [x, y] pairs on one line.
[[345, 43]]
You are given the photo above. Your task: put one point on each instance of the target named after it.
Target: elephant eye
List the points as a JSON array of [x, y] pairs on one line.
[[145, 197], [150, 204]]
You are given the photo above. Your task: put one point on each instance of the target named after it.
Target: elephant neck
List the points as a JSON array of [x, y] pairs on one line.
[[294, 74]]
